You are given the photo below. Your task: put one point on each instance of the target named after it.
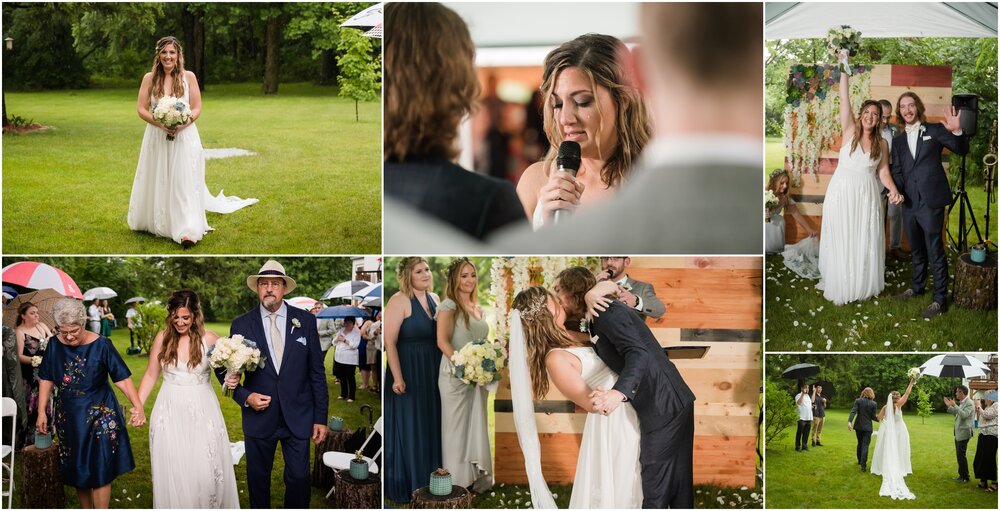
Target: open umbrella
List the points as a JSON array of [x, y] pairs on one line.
[[366, 19], [343, 311], [10, 292], [991, 395], [99, 293], [799, 371], [954, 365], [371, 290], [33, 275], [138, 299], [44, 299], [828, 389], [345, 289], [302, 302], [372, 301]]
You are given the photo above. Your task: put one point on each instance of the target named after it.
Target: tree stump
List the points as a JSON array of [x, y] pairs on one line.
[[322, 475], [459, 498], [42, 487], [350, 493], [976, 283]]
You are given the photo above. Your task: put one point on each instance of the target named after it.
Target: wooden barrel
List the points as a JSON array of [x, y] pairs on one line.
[[976, 283], [714, 302]]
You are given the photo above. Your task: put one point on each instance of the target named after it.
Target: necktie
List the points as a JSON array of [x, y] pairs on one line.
[[276, 341]]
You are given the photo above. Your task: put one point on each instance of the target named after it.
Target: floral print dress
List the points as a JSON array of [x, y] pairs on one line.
[[33, 346], [94, 446]]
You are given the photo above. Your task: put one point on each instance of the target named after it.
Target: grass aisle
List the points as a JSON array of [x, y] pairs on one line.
[[792, 478], [317, 173], [135, 489], [800, 319]]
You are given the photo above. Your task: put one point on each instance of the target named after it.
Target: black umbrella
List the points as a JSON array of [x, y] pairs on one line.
[[828, 390], [800, 371], [954, 365]]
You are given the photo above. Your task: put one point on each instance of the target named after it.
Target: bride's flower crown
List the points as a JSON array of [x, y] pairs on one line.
[[775, 172]]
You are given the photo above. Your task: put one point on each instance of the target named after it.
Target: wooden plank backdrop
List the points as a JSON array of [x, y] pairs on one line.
[[711, 301], [931, 83]]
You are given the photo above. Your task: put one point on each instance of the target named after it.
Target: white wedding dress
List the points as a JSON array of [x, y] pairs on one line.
[[608, 472], [169, 195], [892, 455], [852, 244], [189, 451]]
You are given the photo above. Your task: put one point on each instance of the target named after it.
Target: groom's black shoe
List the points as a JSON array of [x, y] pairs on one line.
[[906, 295], [863, 469], [934, 309]]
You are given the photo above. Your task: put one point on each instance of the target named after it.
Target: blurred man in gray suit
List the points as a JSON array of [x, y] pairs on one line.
[[636, 294], [964, 411], [698, 186]]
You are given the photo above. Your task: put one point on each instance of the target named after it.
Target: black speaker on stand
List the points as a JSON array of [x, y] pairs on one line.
[[967, 108]]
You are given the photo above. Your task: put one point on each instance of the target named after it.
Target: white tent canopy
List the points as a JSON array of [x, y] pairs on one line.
[[796, 20]]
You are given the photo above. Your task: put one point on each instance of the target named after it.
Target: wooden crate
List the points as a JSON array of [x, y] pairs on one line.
[[711, 301]]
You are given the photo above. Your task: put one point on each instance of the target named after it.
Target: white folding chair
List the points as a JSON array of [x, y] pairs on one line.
[[337, 460], [9, 410]]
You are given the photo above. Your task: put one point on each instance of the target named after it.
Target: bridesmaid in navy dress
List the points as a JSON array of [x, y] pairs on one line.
[[413, 407], [94, 446]]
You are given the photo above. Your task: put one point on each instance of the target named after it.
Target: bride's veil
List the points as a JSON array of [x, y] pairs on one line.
[[524, 416], [885, 446]]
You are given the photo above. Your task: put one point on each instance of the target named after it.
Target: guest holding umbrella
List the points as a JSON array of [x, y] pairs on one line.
[[345, 358], [985, 462], [107, 318], [94, 446], [413, 408], [32, 337]]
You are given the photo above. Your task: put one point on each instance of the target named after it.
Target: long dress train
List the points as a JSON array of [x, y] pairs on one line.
[[169, 194]]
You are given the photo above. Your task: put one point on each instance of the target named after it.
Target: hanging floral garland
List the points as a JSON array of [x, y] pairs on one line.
[[812, 115]]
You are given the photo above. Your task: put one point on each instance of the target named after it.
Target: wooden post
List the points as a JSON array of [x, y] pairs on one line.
[[322, 475], [459, 498], [976, 283], [43, 486], [350, 493]]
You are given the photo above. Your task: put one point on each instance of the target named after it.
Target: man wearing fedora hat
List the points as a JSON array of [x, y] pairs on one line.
[[285, 400]]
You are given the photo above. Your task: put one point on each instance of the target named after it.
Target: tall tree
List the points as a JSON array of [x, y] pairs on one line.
[[359, 72], [274, 18], [193, 22]]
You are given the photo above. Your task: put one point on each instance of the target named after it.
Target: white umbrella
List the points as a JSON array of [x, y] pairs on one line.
[[99, 293], [366, 19], [138, 299], [372, 301], [954, 365], [302, 302], [345, 289], [370, 291]]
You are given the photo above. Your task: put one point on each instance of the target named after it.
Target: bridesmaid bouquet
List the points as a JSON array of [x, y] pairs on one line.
[[237, 355], [479, 362], [171, 112]]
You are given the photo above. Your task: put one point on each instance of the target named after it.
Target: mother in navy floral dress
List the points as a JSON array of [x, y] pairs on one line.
[[94, 446]]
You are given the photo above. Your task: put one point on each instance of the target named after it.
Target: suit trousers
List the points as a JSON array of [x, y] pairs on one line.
[[802, 434], [923, 229], [817, 426], [260, 462], [963, 464], [668, 463], [864, 440]]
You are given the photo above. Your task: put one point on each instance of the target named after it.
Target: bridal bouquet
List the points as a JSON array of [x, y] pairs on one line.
[[171, 112], [479, 362], [843, 38], [913, 373], [237, 355]]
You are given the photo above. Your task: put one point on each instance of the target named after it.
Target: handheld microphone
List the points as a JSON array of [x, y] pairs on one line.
[[568, 160]]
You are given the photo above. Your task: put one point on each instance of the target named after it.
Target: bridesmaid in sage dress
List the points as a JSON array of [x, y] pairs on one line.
[[94, 446], [413, 407], [465, 440]]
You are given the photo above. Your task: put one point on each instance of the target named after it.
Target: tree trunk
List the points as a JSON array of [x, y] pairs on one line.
[[350, 493], [356, 117], [976, 284], [198, 48], [460, 498], [5, 121], [322, 475], [327, 68], [45, 490], [272, 55]]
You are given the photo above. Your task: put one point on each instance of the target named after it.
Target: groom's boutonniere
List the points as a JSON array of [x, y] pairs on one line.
[[627, 286], [296, 324], [584, 324]]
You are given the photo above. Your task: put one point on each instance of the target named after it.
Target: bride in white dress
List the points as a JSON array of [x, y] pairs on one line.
[[608, 469], [892, 448], [852, 242], [192, 466], [169, 195]]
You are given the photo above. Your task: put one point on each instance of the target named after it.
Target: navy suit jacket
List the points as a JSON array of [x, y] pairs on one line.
[[922, 179], [298, 394]]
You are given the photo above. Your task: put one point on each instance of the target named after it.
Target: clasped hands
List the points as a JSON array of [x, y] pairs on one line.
[[605, 401], [137, 417], [896, 198]]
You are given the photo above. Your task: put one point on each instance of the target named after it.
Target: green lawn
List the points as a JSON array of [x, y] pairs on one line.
[[317, 173], [135, 490], [829, 477], [798, 318]]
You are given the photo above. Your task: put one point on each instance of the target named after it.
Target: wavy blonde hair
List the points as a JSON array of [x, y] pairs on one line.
[[404, 272], [430, 80], [159, 75], [597, 56], [451, 289], [541, 335]]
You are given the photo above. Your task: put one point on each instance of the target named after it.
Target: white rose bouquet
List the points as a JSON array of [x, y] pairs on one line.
[[770, 199], [913, 373], [479, 362], [843, 38], [237, 355], [171, 112]]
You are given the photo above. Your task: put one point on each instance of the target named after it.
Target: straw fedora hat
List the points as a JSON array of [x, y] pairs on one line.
[[271, 269]]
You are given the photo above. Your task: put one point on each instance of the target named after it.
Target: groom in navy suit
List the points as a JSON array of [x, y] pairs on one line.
[[920, 177], [286, 400]]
